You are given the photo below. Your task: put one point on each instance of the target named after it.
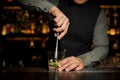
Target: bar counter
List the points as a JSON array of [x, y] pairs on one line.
[[43, 74]]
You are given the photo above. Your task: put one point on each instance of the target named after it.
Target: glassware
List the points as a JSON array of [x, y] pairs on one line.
[[53, 61]]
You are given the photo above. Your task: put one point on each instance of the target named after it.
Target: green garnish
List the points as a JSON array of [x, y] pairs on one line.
[[53, 63]]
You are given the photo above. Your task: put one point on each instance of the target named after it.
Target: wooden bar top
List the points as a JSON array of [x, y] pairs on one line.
[[43, 74]]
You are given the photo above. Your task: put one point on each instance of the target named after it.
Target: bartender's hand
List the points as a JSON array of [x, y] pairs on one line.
[[61, 21], [70, 63]]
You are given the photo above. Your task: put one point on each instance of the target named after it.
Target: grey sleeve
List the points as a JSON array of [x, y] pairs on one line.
[[39, 5], [100, 42]]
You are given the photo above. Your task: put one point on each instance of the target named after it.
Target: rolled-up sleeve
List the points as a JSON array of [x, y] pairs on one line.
[[100, 42]]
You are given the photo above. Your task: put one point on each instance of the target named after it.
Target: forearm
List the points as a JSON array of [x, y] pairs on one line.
[[96, 54], [44, 5], [100, 42]]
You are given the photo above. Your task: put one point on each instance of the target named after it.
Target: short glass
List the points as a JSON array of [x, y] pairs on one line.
[[52, 62]]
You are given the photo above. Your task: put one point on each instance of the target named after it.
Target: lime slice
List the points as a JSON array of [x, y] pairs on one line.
[[51, 60], [55, 64]]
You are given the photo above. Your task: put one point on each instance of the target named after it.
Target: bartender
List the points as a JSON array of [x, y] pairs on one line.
[[85, 42]]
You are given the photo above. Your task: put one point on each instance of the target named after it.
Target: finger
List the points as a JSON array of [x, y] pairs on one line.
[[58, 29], [71, 67], [64, 63], [62, 21], [61, 25], [61, 35], [63, 67], [64, 32], [79, 68], [58, 18]]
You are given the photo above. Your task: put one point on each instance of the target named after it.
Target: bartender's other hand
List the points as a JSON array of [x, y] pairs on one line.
[[61, 21], [70, 63]]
